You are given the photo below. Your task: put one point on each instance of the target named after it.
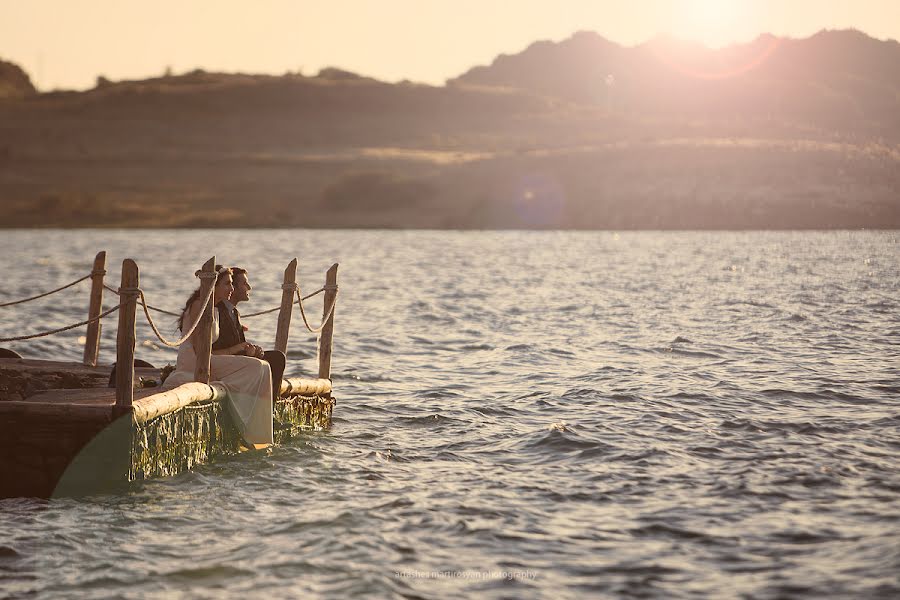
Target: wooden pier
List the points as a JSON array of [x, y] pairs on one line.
[[64, 430]]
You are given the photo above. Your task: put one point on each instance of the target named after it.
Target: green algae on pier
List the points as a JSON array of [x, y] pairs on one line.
[[197, 433]]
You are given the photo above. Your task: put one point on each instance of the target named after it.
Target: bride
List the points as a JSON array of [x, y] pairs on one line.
[[248, 380]]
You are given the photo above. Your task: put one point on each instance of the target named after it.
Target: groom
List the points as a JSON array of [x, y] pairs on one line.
[[231, 331]]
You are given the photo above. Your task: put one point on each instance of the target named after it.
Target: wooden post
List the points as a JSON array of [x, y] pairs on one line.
[[203, 349], [287, 306], [126, 335], [92, 343], [327, 333]]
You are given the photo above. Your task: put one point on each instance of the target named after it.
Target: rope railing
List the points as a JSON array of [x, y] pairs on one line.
[[159, 336], [130, 295], [243, 316], [147, 307], [271, 310], [159, 310], [142, 301], [59, 289], [120, 292], [327, 313], [61, 329]]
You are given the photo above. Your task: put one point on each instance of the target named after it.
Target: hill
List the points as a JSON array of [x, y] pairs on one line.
[[583, 133], [839, 81], [14, 82]]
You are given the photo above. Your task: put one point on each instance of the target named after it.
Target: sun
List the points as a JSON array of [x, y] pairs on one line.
[[714, 23]]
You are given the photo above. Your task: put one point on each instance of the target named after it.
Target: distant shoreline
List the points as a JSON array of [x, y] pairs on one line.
[[808, 139], [473, 229]]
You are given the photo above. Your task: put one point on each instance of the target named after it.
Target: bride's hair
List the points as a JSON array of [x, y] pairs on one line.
[[220, 270]]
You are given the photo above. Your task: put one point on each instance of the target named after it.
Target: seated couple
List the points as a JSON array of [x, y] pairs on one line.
[[251, 376]]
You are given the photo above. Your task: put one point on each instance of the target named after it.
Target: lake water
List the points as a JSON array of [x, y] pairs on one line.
[[520, 414]]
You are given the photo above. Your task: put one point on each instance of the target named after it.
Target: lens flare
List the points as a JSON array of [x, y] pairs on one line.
[[686, 65], [539, 200]]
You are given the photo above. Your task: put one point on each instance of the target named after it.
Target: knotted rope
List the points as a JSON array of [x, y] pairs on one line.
[[61, 329], [59, 289]]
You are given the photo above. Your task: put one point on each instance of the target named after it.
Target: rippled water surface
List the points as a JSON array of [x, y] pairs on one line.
[[520, 414]]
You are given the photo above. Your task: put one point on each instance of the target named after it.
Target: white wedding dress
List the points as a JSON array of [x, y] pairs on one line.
[[248, 381]]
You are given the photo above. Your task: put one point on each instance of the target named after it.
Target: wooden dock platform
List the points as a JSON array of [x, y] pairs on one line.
[[70, 428], [60, 441]]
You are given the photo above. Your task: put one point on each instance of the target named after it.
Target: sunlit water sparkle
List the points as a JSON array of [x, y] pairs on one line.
[[592, 414]]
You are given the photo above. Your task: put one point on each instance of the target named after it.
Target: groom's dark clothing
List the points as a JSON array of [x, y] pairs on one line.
[[231, 332]]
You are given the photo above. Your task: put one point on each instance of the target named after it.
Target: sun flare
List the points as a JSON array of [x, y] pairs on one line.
[[710, 22]]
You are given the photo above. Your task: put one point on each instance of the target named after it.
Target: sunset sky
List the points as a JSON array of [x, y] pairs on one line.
[[67, 44]]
